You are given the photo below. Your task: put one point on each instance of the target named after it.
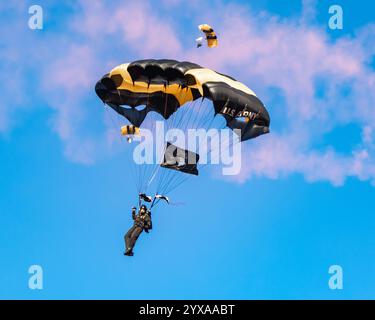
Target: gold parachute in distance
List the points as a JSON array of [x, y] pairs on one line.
[[129, 131], [210, 35]]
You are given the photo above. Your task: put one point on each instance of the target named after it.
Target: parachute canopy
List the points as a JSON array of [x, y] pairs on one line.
[[185, 96], [130, 130], [210, 35], [163, 86]]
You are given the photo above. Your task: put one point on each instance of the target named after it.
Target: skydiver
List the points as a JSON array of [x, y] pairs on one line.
[[142, 221]]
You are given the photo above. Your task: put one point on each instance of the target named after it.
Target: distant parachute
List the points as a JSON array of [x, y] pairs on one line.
[[144, 90], [210, 36], [129, 131], [163, 86]]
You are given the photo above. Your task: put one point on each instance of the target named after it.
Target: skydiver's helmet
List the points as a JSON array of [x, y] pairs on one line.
[[143, 208]]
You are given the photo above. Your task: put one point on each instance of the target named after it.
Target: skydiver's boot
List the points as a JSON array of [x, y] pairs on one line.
[[128, 252]]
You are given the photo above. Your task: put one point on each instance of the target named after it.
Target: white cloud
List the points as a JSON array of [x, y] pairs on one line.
[[262, 50]]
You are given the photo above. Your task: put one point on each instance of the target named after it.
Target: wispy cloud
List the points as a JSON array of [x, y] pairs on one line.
[[322, 84], [136, 26], [65, 64], [12, 69], [294, 56]]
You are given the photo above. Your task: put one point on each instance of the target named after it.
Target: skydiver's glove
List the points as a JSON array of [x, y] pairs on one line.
[[134, 209]]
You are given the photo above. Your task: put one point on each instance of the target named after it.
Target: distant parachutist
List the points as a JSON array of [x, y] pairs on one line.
[[129, 131]]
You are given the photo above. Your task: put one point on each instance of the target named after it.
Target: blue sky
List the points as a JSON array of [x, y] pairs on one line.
[[303, 201]]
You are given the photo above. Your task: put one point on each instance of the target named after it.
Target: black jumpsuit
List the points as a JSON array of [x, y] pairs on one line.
[[141, 222]]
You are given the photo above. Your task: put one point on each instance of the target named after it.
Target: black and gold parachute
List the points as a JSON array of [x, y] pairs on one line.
[[163, 86], [209, 34]]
